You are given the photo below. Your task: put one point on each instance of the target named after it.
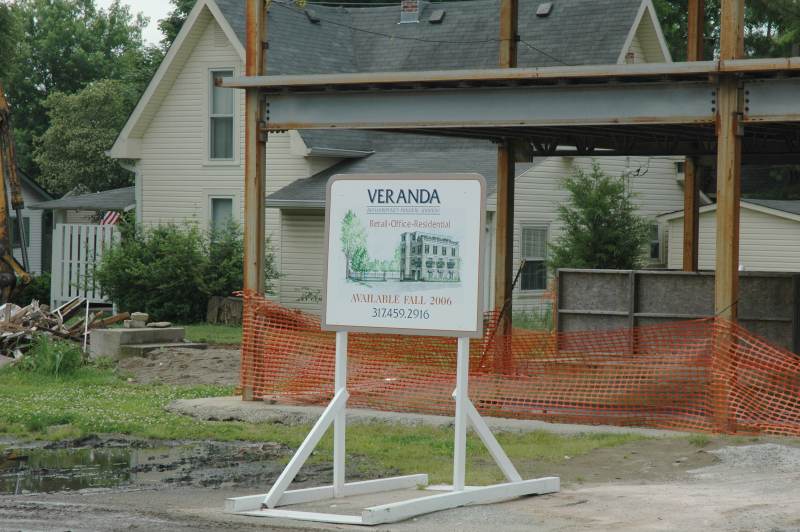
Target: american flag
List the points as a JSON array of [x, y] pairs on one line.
[[110, 218]]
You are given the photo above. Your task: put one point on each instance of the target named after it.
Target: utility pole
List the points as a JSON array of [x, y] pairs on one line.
[[691, 181]]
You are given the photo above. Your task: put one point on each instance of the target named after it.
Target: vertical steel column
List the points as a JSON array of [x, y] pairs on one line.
[[254, 152], [254, 168], [504, 230], [729, 164], [691, 215], [729, 172], [691, 182]]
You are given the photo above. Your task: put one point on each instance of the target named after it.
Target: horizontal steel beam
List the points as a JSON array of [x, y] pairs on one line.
[[774, 100], [698, 70], [521, 106]]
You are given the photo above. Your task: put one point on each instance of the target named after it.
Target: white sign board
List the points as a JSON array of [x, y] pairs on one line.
[[405, 254]]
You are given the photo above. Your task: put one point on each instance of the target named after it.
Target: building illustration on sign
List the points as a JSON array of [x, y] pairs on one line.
[[427, 257], [418, 256]]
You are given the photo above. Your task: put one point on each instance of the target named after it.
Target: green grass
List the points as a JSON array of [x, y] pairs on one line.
[[699, 440], [95, 401], [214, 334], [536, 319]]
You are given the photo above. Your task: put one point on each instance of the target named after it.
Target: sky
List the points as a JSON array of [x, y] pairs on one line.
[[153, 9]]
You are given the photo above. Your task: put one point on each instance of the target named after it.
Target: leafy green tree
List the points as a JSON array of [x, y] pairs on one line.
[[172, 24], [601, 227], [62, 46], [771, 27], [83, 125], [354, 243], [9, 35]]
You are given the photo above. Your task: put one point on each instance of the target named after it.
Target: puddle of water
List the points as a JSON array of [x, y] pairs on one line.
[[203, 464]]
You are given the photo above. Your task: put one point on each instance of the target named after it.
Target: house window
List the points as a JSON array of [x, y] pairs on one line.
[[534, 251], [221, 213], [221, 118], [427, 248], [26, 225], [435, 250], [655, 242], [444, 250]]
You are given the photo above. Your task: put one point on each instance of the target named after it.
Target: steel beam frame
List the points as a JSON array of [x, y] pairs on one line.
[[647, 103]]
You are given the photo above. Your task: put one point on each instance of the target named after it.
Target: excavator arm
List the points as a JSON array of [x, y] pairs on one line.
[[12, 273]]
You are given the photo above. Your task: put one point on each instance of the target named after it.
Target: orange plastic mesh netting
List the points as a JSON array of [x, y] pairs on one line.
[[706, 375]]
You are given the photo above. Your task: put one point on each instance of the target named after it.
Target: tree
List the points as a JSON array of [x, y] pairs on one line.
[[354, 243], [771, 27], [9, 35], [62, 46], [172, 24], [601, 227], [71, 153]]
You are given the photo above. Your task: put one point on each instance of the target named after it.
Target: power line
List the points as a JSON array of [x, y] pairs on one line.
[[418, 39]]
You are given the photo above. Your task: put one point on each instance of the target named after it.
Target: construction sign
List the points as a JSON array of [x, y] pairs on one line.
[[405, 254]]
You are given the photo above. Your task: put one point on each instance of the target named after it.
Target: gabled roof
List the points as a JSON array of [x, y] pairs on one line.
[[118, 199], [369, 39], [396, 153], [789, 209]]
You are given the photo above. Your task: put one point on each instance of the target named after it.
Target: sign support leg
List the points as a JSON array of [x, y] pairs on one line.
[[462, 396], [340, 422]]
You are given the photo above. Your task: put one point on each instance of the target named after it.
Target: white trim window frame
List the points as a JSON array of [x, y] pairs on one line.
[[212, 194], [533, 248], [222, 106]]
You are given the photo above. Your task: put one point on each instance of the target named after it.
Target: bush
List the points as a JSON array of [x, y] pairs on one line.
[[171, 271], [52, 357], [38, 289], [159, 271], [601, 227]]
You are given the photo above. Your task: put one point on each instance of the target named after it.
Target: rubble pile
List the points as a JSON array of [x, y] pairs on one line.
[[18, 325]]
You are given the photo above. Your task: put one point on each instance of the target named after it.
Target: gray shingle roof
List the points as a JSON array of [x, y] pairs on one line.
[[117, 199], [398, 154], [790, 206], [576, 32]]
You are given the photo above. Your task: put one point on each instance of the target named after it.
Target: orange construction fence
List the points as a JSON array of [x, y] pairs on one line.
[[704, 375]]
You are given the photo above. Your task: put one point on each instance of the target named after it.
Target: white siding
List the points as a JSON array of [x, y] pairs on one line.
[[303, 243], [36, 231], [539, 192], [766, 243], [176, 177]]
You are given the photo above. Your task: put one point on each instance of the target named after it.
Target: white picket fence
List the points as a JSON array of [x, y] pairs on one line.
[[76, 250]]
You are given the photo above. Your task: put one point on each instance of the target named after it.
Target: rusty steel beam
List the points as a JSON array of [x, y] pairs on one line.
[[691, 181], [254, 161], [254, 174], [617, 73], [696, 30], [504, 216], [729, 176]]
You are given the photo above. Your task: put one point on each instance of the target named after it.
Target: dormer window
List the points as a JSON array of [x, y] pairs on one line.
[[220, 128]]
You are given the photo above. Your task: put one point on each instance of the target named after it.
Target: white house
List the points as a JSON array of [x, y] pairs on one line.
[[769, 231], [184, 140], [36, 227]]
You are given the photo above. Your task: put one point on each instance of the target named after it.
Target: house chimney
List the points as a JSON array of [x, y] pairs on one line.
[[409, 11]]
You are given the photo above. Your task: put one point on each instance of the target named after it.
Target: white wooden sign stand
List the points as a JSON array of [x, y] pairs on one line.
[[458, 494]]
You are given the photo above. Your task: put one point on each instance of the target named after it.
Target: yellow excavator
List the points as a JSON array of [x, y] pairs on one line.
[[13, 275]]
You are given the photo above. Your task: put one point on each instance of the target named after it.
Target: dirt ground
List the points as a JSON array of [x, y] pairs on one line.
[[661, 484], [216, 365], [666, 483]]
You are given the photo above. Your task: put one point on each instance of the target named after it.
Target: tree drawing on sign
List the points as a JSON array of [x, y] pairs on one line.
[[354, 244]]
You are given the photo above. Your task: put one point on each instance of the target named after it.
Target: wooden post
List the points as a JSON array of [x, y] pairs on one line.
[[729, 167], [729, 164], [691, 215], [504, 249], [696, 29], [254, 168], [691, 183]]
